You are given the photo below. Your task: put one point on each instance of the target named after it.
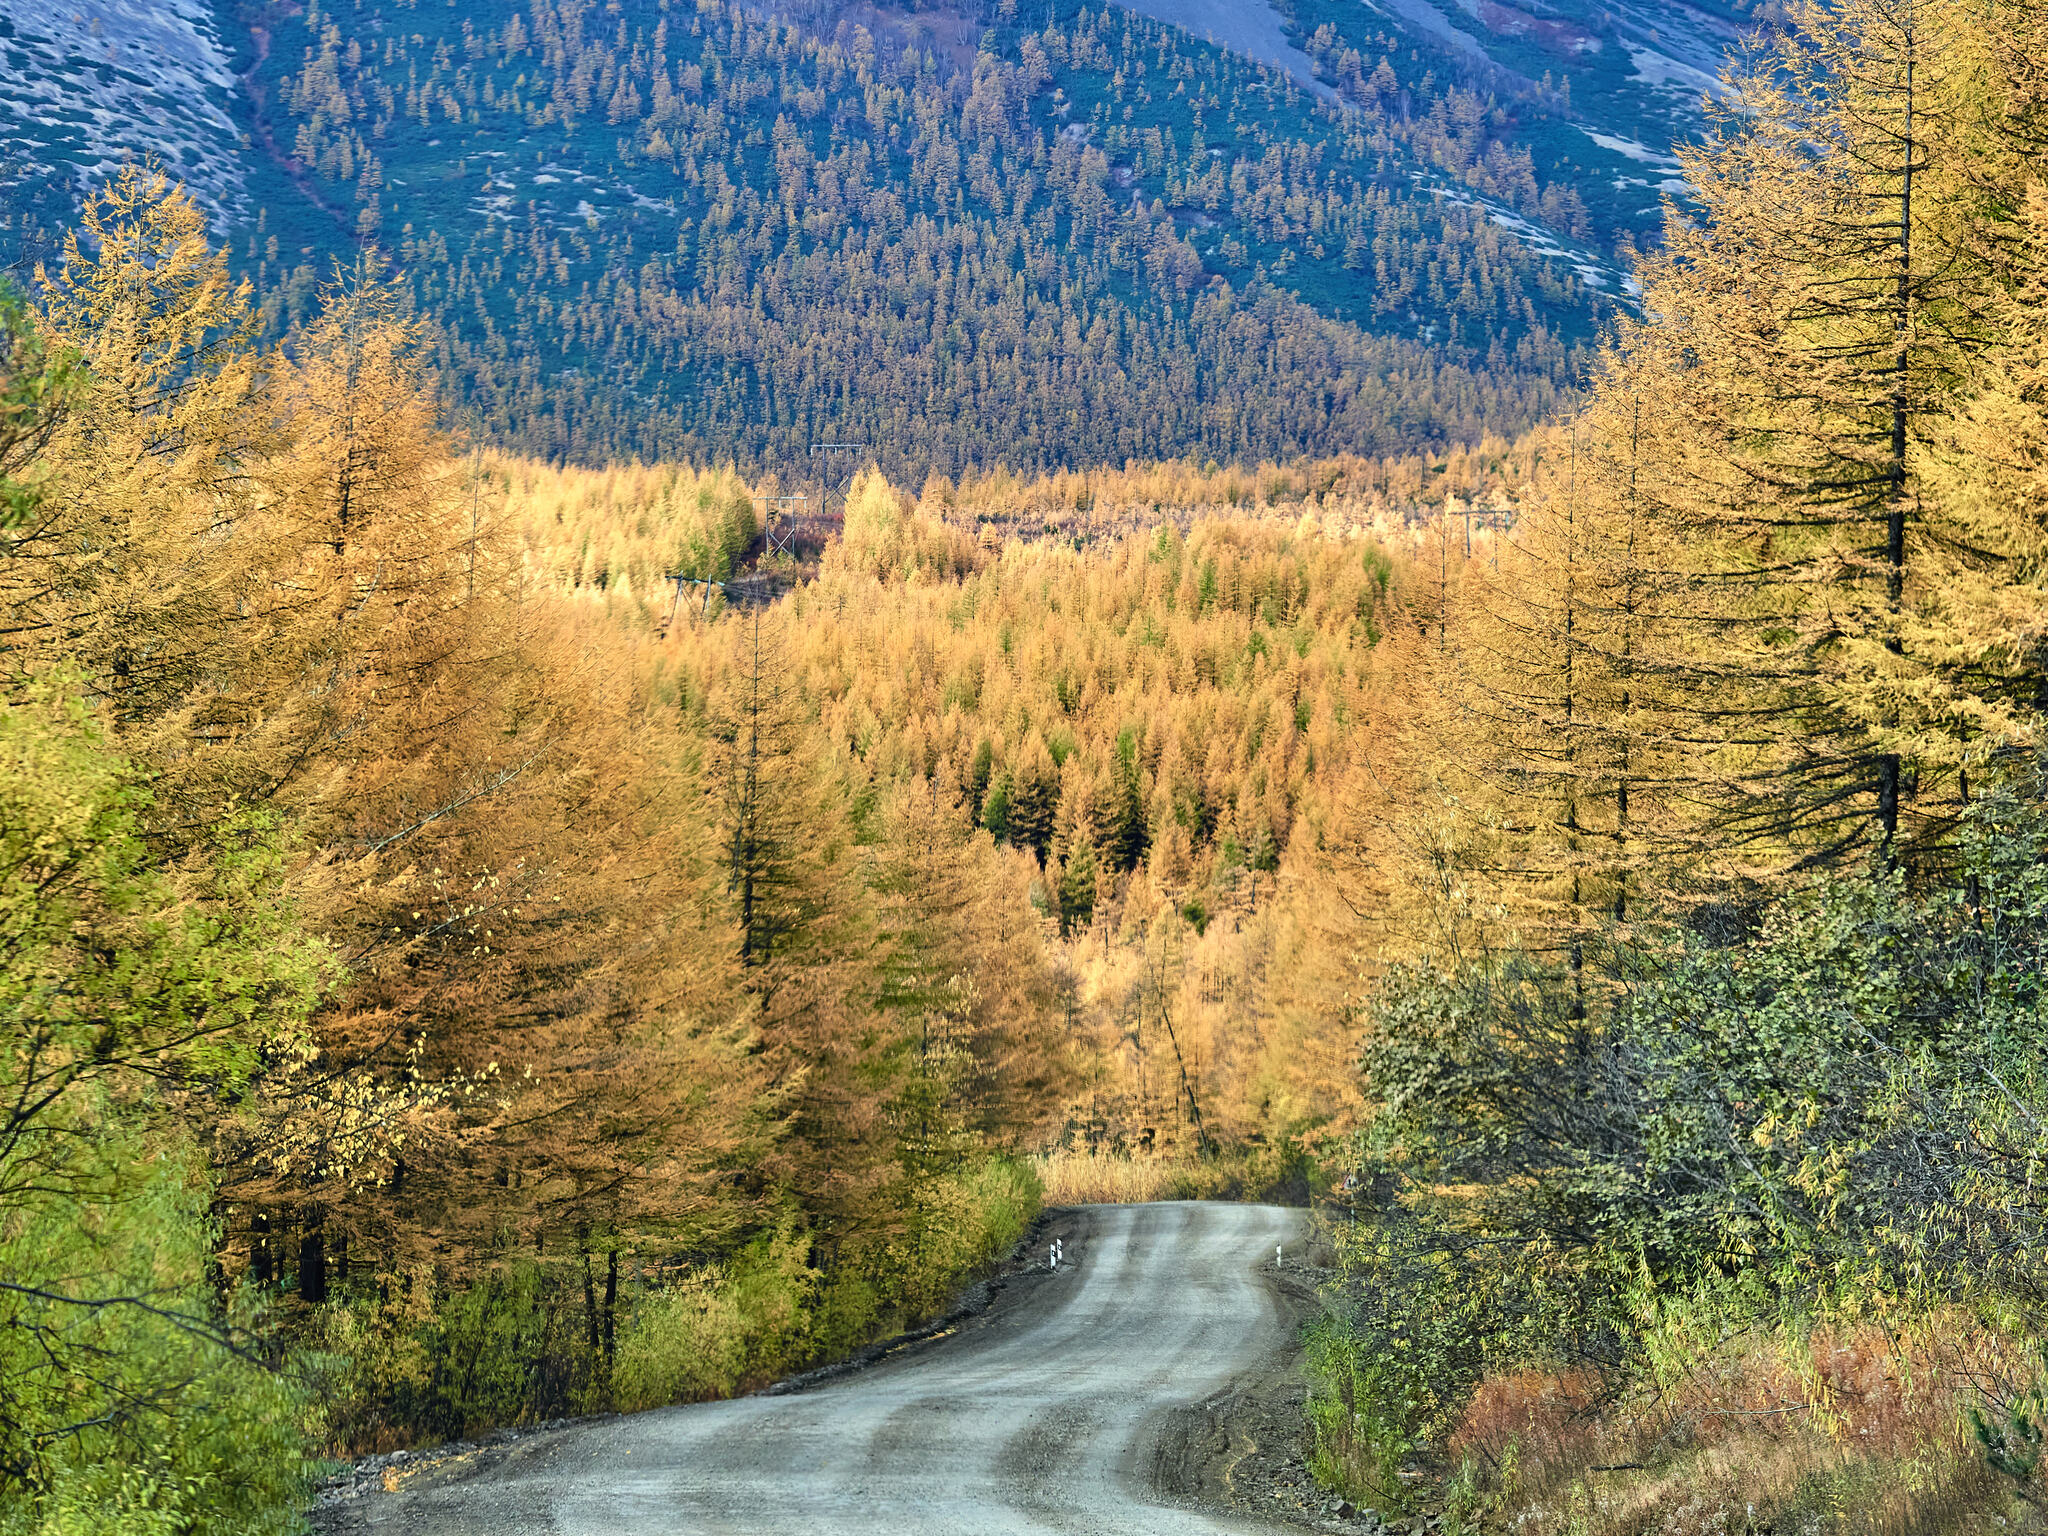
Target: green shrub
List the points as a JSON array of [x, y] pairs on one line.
[[960, 1222], [853, 1309], [766, 1311], [515, 1346], [511, 1347], [720, 1326], [137, 1001], [1362, 1416], [130, 1404], [1841, 1115]]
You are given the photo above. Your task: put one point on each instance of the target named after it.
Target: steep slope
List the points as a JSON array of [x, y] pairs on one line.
[[83, 87], [1093, 240], [1597, 95]]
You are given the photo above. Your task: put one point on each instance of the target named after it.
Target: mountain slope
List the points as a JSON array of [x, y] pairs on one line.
[[1076, 235], [1596, 94], [83, 87]]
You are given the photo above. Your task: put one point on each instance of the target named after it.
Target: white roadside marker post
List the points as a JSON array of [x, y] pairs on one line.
[[1276, 1255]]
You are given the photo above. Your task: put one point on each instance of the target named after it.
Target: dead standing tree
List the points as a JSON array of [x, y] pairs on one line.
[[1163, 979]]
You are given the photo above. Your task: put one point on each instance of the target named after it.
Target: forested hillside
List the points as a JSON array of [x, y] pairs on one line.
[[430, 961], [707, 234], [1597, 99], [486, 934], [1155, 719], [1042, 237], [1035, 240]]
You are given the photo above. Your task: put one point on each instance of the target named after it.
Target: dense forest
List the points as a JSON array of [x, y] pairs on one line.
[[706, 235], [460, 981], [473, 959], [964, 235], [487, 936]]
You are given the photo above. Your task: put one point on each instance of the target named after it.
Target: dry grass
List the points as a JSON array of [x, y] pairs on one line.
[[1532, 1418], [1840, 1433], [1105, 1178]]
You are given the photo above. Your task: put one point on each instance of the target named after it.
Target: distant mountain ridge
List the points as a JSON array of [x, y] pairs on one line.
[[1077, 235]]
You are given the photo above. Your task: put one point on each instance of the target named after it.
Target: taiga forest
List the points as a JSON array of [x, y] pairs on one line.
[[698, 693]]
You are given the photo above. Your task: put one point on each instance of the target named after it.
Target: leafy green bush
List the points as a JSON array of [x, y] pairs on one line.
[[519, 1345], [130, 1404], [720, 1326], [1364, 1413], [963, 1220], [131, 1399], [766, 1311], [1845, 1111]]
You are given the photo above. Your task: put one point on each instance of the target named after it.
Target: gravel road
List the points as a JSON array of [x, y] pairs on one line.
[[1054, 1412]]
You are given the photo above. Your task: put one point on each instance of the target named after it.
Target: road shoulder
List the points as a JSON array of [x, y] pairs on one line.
[[350, 1503], [1244, 1451]]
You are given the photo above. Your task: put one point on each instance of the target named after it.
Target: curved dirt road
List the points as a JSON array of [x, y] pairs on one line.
[[1050, 1414]]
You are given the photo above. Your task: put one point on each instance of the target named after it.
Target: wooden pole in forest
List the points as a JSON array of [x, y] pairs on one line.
[[1187, 1086]]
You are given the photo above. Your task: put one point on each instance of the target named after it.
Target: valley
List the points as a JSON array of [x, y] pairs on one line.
[[1024, 765]]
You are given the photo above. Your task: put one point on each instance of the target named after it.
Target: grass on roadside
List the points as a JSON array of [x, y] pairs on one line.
[[1834, 1432], [1083, 1176]]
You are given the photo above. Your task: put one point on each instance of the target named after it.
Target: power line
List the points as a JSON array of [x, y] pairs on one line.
[[1500, 514]]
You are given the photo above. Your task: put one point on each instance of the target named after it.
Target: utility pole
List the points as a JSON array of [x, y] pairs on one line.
[[1499, 523], [825, 474], [476, 465], [785, 540], [1187, 1086]]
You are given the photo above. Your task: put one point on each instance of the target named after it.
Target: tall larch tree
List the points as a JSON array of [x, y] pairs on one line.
[[1825, 299]]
